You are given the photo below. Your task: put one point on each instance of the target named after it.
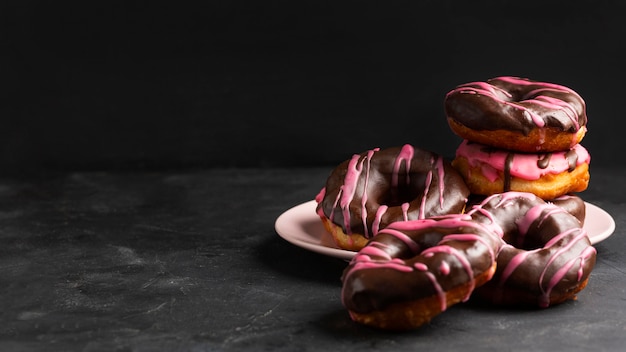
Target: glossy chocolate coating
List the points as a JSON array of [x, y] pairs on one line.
[[543, 255], [377, 187], [416, 259], [516, 104], [547, 257], [573, 204]]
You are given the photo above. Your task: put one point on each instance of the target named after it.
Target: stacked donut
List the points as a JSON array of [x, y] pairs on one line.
[[519, 135], [498, 222]]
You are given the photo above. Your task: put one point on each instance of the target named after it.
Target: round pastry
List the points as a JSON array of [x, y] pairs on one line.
[[547, 257], [488, 170], [517, 114], [375, 188], [412, 271]]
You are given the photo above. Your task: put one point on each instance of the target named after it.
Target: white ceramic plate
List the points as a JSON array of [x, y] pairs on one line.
[[301, 226]]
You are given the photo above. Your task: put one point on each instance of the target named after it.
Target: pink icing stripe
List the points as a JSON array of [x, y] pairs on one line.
[[560, 274], [482, 88], [382, 209], [403, 237], [441, 178], [443, 304], [529, 114], [376, 249], [557, 238], [429, 178], [410, 225], [524, 165], [406, 155], [519, 81], [533, 97], [469, 237], [318, 200], [461, 258], [586, 254], [364, 198], [405, 211], [556, 104], [444, 268], [581, 235], [516, 261], [361, 265], [348, 189], [320, 195], [532, 215], [420, 266]]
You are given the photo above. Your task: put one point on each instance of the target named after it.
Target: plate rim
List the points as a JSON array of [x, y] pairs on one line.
[[282, 221]]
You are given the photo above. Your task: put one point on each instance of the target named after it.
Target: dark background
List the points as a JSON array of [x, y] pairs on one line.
[[97, 85]]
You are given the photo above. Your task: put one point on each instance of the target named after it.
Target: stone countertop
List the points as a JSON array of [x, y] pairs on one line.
[[190, 260]]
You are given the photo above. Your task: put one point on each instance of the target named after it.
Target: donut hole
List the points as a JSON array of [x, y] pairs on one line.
[[528, 242], [403, 192]]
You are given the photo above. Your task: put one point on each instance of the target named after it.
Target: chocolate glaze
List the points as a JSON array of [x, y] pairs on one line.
[[572, 160], [573, 204], [544, 160], [542, 252], [547, 254], [377, 187], [508, 162], [416, 259], [516, 104]]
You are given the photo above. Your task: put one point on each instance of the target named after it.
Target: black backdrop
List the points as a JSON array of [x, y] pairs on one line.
[[126, 85]]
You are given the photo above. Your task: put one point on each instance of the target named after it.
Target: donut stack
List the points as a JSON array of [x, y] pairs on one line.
[[422, 248], [519, 135]]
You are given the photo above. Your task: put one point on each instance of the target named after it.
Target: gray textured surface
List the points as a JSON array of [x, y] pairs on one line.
[[191, 261]]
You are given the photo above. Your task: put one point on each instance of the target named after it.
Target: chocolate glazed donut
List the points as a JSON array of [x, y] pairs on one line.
[[375, 188], [412, 271], [517, 114], [547, 257]]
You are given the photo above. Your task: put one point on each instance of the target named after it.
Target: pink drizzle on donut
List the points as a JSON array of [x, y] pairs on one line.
[[536, 216], [406, 154], [484, 228], [522, 165], [348, 189], [443, 304], [368, 159], [379, 215], [375, 255], [429, 178], [539, 212], [558, 276], [359, 168], [442, 186], [535, 97], [517, 103]]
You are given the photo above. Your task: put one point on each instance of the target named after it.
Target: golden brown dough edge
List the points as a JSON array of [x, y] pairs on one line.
[[538, 140], [547, 187]]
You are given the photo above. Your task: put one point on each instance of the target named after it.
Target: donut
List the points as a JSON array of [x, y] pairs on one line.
[[547, 257], [517, 114], [375, 188], [512, 248], [413, 271], [549, 175]]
